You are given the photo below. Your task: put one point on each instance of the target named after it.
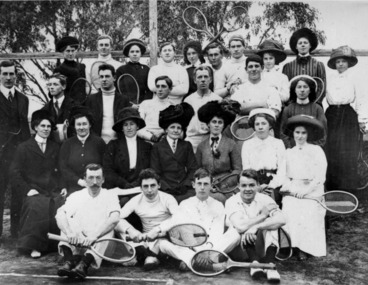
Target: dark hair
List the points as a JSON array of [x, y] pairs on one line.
[[81, 115], [202, 173], [36, 122], [215, 45], [311, 136], [166, 44], [197, 47], [106, 66], [255, 58], [165, 78], [312, 87], [267, 117], [62, 78], [93, 167], [203, 67], [8, 63], [249, 173], [148, 173]]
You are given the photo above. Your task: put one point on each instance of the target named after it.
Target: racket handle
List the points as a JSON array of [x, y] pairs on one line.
[[200, 235], [56, 237]]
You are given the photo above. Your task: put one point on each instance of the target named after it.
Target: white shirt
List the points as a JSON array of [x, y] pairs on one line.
[[216, 144], [171, 143], [41, 142], [220, 79], [107, 133], [6, 91], [279, 81], [132, 149], [235, 68]]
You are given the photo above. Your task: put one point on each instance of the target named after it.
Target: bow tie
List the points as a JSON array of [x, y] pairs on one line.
[[303, 59], [215, 139]]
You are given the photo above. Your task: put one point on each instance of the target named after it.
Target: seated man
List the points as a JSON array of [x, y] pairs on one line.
[[87, 215], [257, 217]]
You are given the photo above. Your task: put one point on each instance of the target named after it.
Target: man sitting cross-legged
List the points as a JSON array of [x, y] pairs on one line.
[[87, 215]]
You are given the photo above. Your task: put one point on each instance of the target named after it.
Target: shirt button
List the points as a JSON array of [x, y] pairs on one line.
[[82, 154]]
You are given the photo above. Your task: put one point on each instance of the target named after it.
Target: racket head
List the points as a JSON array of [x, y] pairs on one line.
[[362, 163], [285, 250], [187, 235], [196, 20], [80, 90], [235, 19], [226, 184], [320, 88], [209, 262], [340, 202], [241, 130], [95, 77], [128, 86], [113, 250]]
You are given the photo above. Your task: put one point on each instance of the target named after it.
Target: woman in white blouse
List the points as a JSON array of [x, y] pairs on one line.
[[305, 176], [345, 115], [264, 153]]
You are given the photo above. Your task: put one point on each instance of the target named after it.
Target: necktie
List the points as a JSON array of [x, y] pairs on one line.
[[57, 108], [174, 146], [10, 97], [214, 143], [42, 146]]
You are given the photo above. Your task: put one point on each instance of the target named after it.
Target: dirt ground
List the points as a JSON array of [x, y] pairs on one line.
[[346, 262]]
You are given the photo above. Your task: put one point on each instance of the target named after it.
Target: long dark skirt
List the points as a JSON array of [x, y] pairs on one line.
[[342, 147], [37, 219]]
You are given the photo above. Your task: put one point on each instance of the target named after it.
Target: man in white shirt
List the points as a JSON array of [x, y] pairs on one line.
[[104, 47], [196, 130], [176, 72], [87, 215], [256, 217], [149, 110]]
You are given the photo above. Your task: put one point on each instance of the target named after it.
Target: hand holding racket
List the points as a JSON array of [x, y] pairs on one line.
[[338, 202], [128, 86], [212, 262], [80, 90], [110, 249]]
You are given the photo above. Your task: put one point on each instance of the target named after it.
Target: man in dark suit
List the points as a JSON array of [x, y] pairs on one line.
[[106, 103], [14, 129]]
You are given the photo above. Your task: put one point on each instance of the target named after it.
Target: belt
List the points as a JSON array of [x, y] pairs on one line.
[[339, 106], [265, 171]]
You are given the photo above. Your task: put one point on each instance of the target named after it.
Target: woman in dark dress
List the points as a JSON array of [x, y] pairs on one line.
[[80, 150], [35, 181]]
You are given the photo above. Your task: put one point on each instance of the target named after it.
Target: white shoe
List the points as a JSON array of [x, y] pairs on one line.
[[273, 275], [150, 263], [256, 273], [35, 254], [130, 263]]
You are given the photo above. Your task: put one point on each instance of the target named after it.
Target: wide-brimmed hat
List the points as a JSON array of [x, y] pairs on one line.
[[131, 42], [80, 111], [66, 41], [273, 47], [215, 109], [128, 113], [254, 112], [303, 33], [181, 114], [39, 115], [314, 127], [345, 52]]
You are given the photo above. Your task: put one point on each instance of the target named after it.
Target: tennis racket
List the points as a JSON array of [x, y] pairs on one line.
[[95, 77], [362, 166], [320, 89], [196, 20], [226, 183], [110, 249], [338, 202], [212, 262], [241, 130], [80, 90], [285, 249], [128, 86]]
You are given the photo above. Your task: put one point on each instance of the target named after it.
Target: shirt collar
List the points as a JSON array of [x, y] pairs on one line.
[[5, 90], [220, 136], [170, 140], [304, 102], [304, 55], [60, 100], [237, 60], [133, 139], [83, 140], [38, 139], [104, 58]]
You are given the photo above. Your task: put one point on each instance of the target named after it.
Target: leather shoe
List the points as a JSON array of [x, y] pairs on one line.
[[80, 271], [66, 269]]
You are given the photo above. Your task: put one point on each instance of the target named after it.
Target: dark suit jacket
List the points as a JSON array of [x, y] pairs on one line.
[[33, 169], [95, 103], [175, 169], [64, 112], [116, 163], [9, 142]]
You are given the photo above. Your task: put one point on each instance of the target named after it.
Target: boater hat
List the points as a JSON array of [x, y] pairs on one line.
[[128, 113], [214, 108], [314, 127], [40, 115], [303, 33], [254, 112], [131, 42], [181, 114], [273, 47], [66, 41], [345, 52]]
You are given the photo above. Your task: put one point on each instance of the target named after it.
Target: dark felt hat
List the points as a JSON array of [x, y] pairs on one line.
[[131, 42], [128, 113], [220, 110], [66, 41], [345, 52], [273, 47], [181, 114], [39, 115], [79, 111], [314, 127], [303, 33]]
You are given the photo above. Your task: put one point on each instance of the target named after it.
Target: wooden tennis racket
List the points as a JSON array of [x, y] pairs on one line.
[[362, 165], [241, 130], [285, 250], [320, 88], [226, 183], [110, 249], [95, 77], [80, 90], [211, 262], [128, 86]]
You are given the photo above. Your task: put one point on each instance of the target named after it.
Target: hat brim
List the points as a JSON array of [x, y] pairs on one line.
[[352, 61], [303, 33], [129, 45], [279, 55], [118, 126], [312, 124]]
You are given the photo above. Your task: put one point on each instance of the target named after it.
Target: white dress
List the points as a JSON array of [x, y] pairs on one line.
[[306, 172]]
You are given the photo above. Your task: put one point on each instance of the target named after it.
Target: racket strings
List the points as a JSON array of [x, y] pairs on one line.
[[114, 249], [235, 19], [340, 202], [195, 19], [241, 130], [209, 261], [188, 235]]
